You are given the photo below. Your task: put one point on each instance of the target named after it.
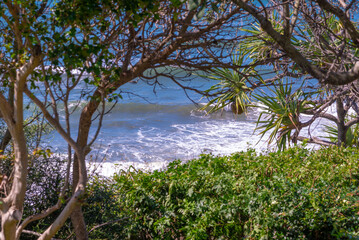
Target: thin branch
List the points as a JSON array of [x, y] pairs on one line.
[[295, 15], [102, 113], [36, 234], [107, 223], [348, 25], [334, 78], [315, 140], [352, 122], [52, 120], [36, 217]]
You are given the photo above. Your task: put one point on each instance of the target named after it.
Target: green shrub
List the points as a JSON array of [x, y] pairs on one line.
[[102, 207], [294, 194]]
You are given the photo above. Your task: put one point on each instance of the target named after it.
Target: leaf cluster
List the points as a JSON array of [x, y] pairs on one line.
[[281, 112], [232, 87]]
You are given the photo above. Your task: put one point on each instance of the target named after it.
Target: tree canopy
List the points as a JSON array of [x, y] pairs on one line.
[[48, 48]]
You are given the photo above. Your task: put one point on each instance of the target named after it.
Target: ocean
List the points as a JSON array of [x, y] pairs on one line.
[[152, 126]]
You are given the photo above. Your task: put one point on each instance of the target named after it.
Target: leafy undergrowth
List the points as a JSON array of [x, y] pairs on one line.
[[294, 194]]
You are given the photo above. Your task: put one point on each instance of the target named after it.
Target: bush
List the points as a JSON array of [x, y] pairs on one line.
[[43, 189], [294, 194]]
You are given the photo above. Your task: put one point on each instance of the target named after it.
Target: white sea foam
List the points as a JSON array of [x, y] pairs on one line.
[[108, 169], [152, 146], [152, 141]]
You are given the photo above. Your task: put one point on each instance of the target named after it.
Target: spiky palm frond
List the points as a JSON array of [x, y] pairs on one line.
[[232, 87], [351, 137], [280, 112]]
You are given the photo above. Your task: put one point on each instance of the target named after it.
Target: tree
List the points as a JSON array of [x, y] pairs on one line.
[[112, 43], [231, 89], [309, 13], [304, 40]]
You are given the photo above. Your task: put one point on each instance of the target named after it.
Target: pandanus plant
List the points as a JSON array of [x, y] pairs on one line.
[[232, 87], [280, 113]]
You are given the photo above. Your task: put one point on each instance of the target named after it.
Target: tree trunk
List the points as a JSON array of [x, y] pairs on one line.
[[79, 224], [11, 211], [77, 217], [8, 224], [12, 205], [7, 137], [236, 109], [6, 140], [85, 123], [342, 130]]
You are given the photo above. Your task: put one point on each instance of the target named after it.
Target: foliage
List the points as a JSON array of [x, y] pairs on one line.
[[44, 186], [294, 194], [322, 43], [102, 206], [281, 112], [58, 53], [283, 39], [259, 44], [232, 88], [352, 135], [35, 129]]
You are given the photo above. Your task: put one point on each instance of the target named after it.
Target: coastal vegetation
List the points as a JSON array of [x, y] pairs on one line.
[[293, 194], [50, 48]]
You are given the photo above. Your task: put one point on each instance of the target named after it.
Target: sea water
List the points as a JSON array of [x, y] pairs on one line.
[[154, 125]]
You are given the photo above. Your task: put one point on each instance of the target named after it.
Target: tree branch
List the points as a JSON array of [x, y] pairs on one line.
[[352, 122], [315, 140], [52, 120], [37, 234], [107, 223], [348, 25], [333, 78]]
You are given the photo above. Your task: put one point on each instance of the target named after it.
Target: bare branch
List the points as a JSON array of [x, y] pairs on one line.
[[107, 223], [334, 78], [36, 234], [52, 120], [348, 25], [316, 141]]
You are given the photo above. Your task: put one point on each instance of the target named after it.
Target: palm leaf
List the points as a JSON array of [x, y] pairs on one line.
[[280, 115], [231, 88]]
